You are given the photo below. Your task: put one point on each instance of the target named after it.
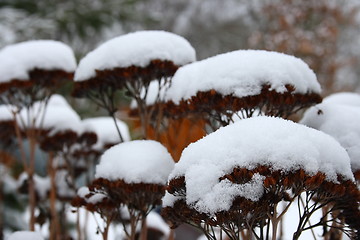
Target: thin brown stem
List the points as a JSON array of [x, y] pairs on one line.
[[54, 224], [32, 187]]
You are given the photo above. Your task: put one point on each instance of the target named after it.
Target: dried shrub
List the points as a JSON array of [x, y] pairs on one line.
[[341, 198], [218, 109]]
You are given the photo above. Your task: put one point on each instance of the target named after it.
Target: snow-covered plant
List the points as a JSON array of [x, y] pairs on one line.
[[130, 62], [31, 72], [339, 116], [242, 84], [239, 183], [73, 146], [131, 175]]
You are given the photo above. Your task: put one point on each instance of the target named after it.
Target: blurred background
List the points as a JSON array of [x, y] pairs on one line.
[[324, 33]]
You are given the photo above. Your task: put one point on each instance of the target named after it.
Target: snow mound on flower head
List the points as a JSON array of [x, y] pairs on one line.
[[18, 59], [28, 235], [347, 98], [137, 49], [242, 73], [341, 122], [106, 131], [140, 161], [274, 142], [57, 116]]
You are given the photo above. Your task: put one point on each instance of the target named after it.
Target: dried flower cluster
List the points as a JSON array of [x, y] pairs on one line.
[[108, 198], [41, 84], [221, 110], [342, 197]]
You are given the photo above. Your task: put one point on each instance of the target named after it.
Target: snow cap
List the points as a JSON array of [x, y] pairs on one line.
[[341, 121], [139, 161], [279, 144], [136, 49], [243, 73], [106, 131], [57, 116], [18, 59], [346, 98]]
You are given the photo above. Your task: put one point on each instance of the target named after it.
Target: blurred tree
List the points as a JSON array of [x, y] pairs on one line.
[[320, 32], [323, 33], [80, 23]]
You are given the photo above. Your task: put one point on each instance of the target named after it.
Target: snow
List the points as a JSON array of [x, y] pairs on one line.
[[18, 59], [105, 129], [28, 235], [93, 198], [62, 182], [347, 98], [242, 73], [136, 49], [5, 113], [58, 100], [154, 220], [341, 122], [274, 142], [153, 95], [97, 197], [57, 116], [83, 191], [139, 161], [42, 184]]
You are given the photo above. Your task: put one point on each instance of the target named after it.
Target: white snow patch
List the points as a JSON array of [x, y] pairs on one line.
[[153, 95], [28, 235], [62, 186], [18, 59], [5, 113], [277, 143], [154, 220], [242, 73], [139, 161], [42, 184], [135, 49], [346, 98], [97, 197], [56, 116], [106, 131], [341, 122], [83, 191]]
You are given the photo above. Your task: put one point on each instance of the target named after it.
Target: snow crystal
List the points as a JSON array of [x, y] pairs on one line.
[[242, 73], [347, 98], [18, 59], [83, 191], [140, 161], [341, 122], [105, 129], [274, 142], [28, 235], [137, 49]]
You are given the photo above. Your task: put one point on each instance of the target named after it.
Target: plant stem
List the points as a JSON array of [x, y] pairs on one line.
[[32, 189]]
